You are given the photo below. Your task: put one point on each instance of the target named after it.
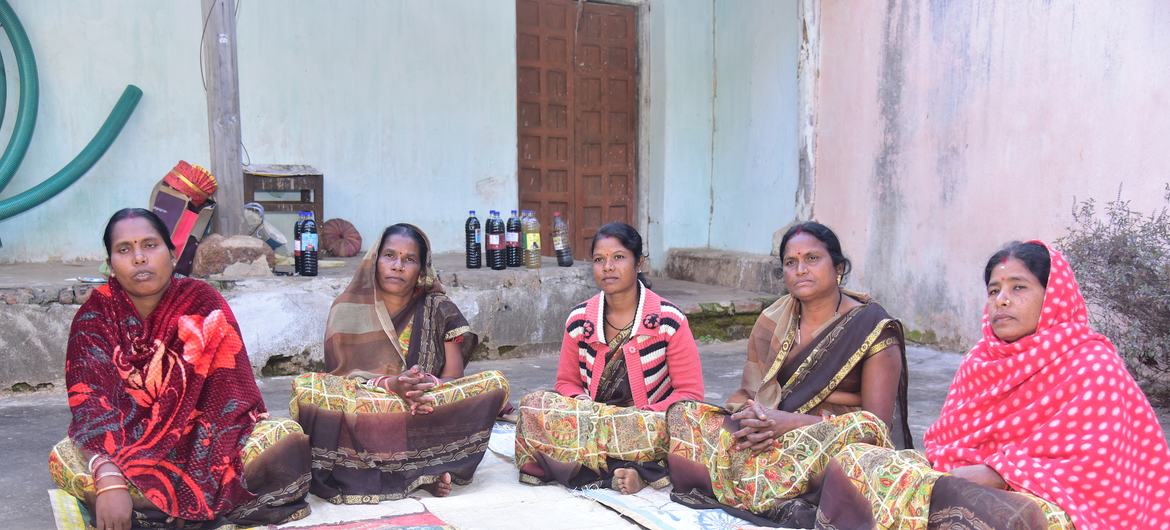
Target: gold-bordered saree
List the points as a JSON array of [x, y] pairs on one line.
[[830, 362], [705, 466]]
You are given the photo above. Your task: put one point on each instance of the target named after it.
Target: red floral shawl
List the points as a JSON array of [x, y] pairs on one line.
[[171, 401], [1056, 414]]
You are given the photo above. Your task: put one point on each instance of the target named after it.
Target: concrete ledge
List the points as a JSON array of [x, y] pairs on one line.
[[516, 312], [282, 319], [739, 270]]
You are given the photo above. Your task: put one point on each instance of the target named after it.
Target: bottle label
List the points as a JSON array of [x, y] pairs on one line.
[[297, 246], [495, 242], [532, 241], [478, 236], [309, 242], [513, 239], [558, 243]]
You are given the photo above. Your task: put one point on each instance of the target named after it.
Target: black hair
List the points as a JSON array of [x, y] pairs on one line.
[[130, 213], [825, 235], [408, 230], [628, 237], [1033, 255]]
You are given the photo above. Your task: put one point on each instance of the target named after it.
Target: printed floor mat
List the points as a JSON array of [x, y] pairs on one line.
[[494, 499]]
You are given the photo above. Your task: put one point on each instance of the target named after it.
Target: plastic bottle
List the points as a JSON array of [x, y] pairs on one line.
[[495, 242], [512, 248], [309, 246], [531, 241], [472, 238], [561, 241], [297, 258]]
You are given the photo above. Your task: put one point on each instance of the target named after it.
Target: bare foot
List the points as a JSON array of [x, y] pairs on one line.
[[629, 482], [442, 488]]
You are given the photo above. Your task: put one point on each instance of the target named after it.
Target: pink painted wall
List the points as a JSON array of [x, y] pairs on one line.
[[947, 129]]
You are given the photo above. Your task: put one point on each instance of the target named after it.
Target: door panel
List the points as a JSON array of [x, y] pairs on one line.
[[577, 114]]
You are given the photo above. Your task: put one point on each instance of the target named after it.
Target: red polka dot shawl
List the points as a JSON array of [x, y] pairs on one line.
[[1057, 414], [170, 400]]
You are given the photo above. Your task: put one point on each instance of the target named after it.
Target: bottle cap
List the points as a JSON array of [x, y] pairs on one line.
[[470, 212], [557, 214]]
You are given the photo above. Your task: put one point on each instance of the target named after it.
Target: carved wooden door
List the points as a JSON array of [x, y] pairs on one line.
[[577, 114]]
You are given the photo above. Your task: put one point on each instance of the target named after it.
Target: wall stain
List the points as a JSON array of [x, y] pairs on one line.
[[961, 34], [886, 215]]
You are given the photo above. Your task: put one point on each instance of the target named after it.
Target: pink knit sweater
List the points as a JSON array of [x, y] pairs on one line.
[[661, 357]]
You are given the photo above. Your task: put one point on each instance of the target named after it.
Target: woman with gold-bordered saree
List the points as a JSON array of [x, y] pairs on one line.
[[821, 378]]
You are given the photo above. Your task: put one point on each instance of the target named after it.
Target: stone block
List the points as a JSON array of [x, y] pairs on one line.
[[17, 296], [741, 307], [715, 308], [33, 340], [81, 293], [65, 296], [739, 270], [233, 257]]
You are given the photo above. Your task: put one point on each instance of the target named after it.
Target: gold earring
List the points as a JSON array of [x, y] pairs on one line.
[[840, 278]]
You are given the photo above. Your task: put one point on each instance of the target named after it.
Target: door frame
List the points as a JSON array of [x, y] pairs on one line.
[[641, 203], [641, 162]]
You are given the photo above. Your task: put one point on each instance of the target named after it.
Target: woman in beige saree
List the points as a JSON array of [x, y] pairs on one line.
[[395, 412]]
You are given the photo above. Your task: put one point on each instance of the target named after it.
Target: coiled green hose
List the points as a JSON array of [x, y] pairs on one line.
[[81, 163], [26, 115]]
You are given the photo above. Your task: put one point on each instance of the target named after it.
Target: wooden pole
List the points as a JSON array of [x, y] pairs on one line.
[[808, 74], [223, 112]]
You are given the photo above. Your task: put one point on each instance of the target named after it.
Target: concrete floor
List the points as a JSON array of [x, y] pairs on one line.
[[31, 423]]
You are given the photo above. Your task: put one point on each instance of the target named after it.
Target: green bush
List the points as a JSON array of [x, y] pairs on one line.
[[1122, 262]]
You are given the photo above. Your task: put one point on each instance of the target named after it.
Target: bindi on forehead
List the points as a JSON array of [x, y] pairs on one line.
[[390, 250], [609, 253], [800, 253]]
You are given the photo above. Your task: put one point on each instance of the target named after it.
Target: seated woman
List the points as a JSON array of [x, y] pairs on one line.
[[168, 424], [825, 368], [627, 354], [395, 412], [1043, 427]]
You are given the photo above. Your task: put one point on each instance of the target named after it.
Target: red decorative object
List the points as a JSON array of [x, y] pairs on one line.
[[339, 238], [193, 181]]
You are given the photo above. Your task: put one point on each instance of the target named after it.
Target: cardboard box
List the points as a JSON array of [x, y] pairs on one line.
[[187, 223]]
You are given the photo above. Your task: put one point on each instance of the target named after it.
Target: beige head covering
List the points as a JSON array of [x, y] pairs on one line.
[[360, 335]]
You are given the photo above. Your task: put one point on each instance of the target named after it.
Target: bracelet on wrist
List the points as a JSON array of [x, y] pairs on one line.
[[109, 474], [112, 487], [96, 463]]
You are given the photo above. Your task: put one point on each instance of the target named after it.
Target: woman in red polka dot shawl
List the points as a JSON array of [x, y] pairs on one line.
[[1043, 427]]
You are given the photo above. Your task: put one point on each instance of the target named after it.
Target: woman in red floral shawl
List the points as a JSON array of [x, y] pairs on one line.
[[168, 424], [1043, 427]]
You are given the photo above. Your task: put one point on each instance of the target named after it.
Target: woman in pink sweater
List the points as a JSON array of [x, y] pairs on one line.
[[626, 356]]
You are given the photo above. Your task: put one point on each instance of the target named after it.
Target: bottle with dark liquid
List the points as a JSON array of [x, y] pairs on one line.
[[472, 236], [297, 258], [309, 246], [495, 242], [512, 241], [561, 241]]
